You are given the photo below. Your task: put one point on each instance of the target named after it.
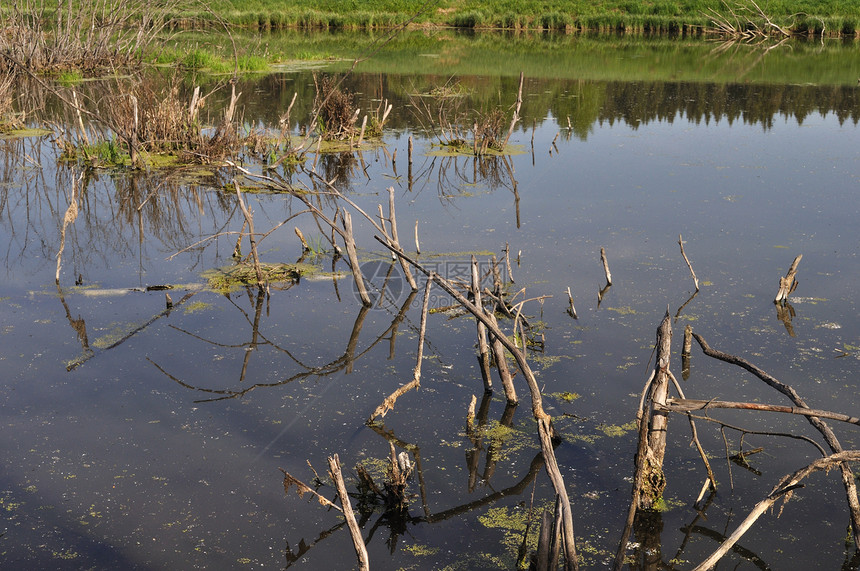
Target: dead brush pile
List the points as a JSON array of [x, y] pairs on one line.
[[163, 121], [335, 109]]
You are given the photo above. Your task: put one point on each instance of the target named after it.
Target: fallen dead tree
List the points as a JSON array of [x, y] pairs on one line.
[[544, 421], [784, 489], [745, 21], [826, 432]]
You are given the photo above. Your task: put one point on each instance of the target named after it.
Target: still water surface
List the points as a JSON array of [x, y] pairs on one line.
[[135, 442]]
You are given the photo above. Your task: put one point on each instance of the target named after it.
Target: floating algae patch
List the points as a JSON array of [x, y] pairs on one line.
[[196, 306], [118, 331], [504, 441], [626, 310], [459, 148], [24, 133], [614, 431], [229, 279], [514, 523], [565, 396]]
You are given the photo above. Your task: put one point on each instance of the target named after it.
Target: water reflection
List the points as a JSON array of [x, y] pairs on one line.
[[258, 299], [128, 224], [119, 215]]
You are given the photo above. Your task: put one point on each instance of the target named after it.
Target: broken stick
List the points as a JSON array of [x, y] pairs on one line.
[[689, 265], [605, 266], [788, 284]]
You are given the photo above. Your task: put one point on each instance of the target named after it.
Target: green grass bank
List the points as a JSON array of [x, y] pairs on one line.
[[827, 17]]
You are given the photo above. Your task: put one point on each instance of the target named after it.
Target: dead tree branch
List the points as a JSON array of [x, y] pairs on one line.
[[820, 425], [689, 265], [785, 488], [388, 403], [788, 284], [354, 530], [689, 405]]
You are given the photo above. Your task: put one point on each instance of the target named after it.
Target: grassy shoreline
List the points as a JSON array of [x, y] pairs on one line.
[[830, 18]]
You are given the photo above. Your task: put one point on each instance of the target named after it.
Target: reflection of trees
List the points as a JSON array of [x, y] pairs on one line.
[[340, 167], [452, 175], [344, 362], [397, 522], [119, 213]]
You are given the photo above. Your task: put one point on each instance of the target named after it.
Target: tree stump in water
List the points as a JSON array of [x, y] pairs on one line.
[[653, 479]]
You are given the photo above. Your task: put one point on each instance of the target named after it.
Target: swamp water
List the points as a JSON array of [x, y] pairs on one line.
[[137, 438]]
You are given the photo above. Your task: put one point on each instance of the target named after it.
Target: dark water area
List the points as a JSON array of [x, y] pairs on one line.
[[146, 439]]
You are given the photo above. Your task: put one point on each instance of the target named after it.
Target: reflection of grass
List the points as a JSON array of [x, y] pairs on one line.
[[70, 77], [562, 15]]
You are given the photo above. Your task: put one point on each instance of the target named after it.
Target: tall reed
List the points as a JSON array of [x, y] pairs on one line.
[[91, 36]]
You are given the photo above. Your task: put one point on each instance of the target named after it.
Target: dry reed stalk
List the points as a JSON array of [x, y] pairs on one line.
[[363, 127], [305, 247], [80, 118], [334, 109], [508, 262], [88, 36], [571, 310], [516, 117], [745, 22]]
